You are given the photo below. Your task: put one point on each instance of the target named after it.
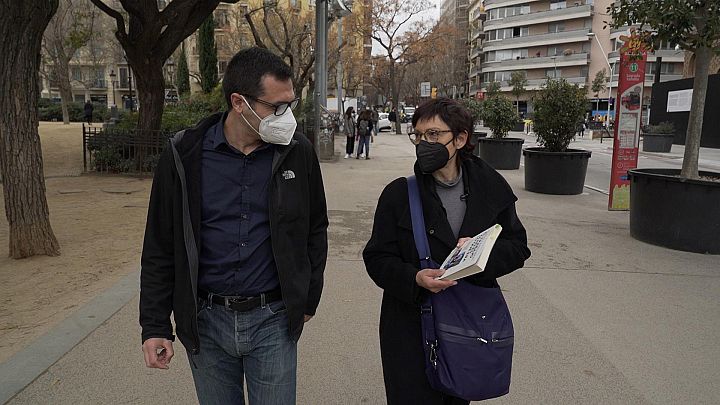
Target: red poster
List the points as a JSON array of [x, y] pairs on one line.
[[628, 112]]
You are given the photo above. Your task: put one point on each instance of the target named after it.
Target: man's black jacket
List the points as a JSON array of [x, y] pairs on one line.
[[298, 229]]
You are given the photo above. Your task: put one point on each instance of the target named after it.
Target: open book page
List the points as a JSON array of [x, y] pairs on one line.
[[472, 257]]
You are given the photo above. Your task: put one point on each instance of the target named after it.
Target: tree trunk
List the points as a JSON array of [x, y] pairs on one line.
[[151, 94], [395, 89], [63, 75], [21, 27], [697, 111]]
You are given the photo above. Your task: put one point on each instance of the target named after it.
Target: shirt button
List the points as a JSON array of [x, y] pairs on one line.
[[243, 216], [243, 244], [431, 231]]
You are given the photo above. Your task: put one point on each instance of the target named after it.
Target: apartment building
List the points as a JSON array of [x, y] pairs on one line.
[[476, 36], [560, 38], [454, 13]]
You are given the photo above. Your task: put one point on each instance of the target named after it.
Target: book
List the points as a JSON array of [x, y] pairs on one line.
[[472, 257]]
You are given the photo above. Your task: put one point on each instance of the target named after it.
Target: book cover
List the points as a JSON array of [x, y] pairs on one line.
[[472, 257]]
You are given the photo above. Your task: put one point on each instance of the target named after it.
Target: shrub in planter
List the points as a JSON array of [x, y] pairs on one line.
[[559, 107], [500, 152], [499, 115], [474, 107], [553, 168], [658, 138]]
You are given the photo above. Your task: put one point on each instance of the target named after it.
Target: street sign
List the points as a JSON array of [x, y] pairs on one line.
[[425, 89], [633, 56]]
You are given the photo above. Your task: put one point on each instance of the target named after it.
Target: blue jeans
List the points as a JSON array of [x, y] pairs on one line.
[[364, 145], [235, 345]]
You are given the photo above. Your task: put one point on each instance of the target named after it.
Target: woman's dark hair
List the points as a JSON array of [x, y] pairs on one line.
[[453, 114], [348, 112], [365, 115], [246, 69]]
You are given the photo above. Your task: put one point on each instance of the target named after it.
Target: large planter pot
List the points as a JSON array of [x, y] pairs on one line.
[[476, 135], [657, 142], [555, 172], [677, 213], [501, 153], [519, 126]]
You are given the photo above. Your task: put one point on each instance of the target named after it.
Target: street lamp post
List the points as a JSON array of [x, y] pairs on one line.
[[592, 35], [112, 81]]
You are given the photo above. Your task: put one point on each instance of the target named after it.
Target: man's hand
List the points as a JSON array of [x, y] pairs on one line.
[[308, 317], [426, 279], [158, 352]]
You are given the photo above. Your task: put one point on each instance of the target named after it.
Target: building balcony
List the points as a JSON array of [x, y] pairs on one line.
[[538, 40], [536, 84], [473, 89], [541, 17], [475, 71], [475, 52], [544, 62], [477, 33], [490, 4]]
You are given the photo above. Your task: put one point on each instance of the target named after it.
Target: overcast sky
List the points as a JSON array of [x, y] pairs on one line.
[[432, 14]]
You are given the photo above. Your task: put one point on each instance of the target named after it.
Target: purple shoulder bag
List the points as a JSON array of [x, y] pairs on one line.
[[467, 330]]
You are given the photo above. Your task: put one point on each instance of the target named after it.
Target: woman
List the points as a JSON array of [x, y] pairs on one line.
[[349, 129], [461, 196], [364, 134]]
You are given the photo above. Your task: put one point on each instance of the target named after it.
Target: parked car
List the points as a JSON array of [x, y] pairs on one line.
[[384, 122], [409, 111]]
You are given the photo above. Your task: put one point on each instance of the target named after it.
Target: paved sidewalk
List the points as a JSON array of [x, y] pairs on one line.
[[599, 316]]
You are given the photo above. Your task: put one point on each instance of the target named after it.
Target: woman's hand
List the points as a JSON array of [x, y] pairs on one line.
[[462, 241], [426, 279]]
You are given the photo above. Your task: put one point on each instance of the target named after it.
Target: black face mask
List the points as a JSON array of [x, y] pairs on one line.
[[432, 156]]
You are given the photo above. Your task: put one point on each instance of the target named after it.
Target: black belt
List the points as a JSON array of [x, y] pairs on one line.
[[242, 304]]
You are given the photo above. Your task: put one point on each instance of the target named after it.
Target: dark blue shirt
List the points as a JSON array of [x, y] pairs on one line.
[[236, 256]]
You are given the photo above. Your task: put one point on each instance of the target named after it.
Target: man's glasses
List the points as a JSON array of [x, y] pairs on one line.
[[280, 108], [431, 135]]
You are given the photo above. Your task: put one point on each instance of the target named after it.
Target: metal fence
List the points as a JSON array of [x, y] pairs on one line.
[[113, 150]]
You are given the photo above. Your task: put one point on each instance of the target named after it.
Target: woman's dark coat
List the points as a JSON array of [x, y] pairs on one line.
[[392, 262]]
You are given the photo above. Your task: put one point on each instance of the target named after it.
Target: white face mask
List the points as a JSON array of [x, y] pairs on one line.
[[277, 129]]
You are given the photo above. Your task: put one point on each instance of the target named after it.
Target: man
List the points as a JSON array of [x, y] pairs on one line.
[[88, 110], [236, 241], [375, 119]]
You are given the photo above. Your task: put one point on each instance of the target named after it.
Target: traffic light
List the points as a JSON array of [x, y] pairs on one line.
[[433, 92]]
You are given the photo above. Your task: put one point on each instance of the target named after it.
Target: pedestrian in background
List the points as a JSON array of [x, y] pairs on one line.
[[349, 123], [461, 196], [88, 110], [364, 134], [375, 119]]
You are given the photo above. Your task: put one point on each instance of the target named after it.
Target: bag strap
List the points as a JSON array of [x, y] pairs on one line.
[[418, 223]]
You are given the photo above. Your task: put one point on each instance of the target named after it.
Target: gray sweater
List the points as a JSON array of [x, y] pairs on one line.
[[450, 194]]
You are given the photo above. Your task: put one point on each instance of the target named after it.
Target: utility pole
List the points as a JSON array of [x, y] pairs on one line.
[[324, 142], [339, 71]]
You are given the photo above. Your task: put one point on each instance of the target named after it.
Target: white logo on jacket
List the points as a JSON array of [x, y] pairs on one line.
[[288, 174]]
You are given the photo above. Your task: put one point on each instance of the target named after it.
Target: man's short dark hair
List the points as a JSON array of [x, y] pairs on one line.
[[453, 114], [246, 70]]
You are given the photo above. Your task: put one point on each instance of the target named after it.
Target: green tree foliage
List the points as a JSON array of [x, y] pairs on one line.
[[182, 81], [518, 81], [559, 107], [474, 107], [492, 89], [499, 115], [695, 26], [208, 55]]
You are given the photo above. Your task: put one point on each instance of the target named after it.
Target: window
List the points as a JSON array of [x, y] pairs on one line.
[[554, 51], [124, 77], [586, 47], [504, 12], [667, 46], [76, 73], [665, 68], [553, 73], [222, 20], [222, 67], [557, 4], [584, 71], [556, 27]]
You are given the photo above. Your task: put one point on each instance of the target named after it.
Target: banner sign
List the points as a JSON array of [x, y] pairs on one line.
[[628, 113]]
